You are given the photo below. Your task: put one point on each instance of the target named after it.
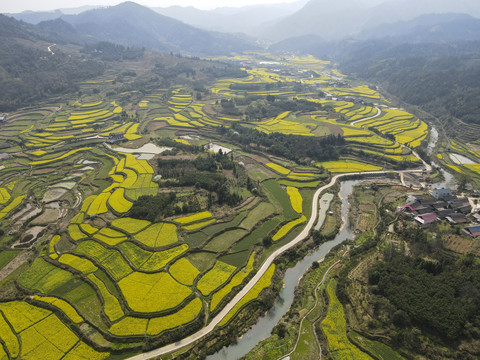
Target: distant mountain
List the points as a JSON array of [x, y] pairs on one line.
[[433, 28], [403, 10], [60, 31], [131, 24], [332, 20], [345, 18], [35, 17], [28, 72], [245, 19]]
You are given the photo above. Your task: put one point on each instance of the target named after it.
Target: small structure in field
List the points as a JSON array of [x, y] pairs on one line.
[[217, 148], [115, 137]]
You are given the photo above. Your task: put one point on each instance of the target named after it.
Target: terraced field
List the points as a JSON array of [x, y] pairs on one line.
[[110, 282], [333, 326]]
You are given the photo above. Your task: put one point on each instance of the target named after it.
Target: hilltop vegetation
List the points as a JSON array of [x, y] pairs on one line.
[[28, 72]]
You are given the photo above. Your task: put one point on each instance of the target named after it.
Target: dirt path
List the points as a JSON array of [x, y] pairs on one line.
[[50, 49], [309, 312]]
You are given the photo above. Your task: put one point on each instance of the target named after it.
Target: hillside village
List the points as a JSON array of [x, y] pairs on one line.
[[443, 205]]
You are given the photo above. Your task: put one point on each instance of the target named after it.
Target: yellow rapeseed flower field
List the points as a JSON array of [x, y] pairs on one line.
[[347, 166], [129, 225], [295, 199], [193, 218], [111, 306], [184, 272], [278, 168], [64, 306], [158, 235], [264, 282], [83, 265], [334, 328], [70, 153], [285, 229], [148, 293], [236, 281], [183, 316], [130, 326], [215, 277]]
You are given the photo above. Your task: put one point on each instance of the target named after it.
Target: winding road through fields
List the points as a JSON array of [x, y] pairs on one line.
[[379, 112], [300, 237]]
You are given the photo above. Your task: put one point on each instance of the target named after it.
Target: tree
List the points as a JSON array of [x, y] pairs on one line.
[[462, 180], [267, 241]]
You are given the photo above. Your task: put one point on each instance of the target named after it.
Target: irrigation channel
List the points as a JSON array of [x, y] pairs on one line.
[[344, 233], [262, 329]]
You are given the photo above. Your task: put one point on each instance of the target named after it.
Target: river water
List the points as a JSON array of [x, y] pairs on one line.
[[449, 181], [262, 329], [433, 141]]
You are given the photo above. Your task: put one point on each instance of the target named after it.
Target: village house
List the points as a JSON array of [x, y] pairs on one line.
[[441, 193], [457, 219], [115, 137], [443, 206], [472, 231], [426, 219]]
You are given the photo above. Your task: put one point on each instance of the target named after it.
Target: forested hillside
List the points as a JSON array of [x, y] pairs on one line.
[[443, 78], [29, 72]]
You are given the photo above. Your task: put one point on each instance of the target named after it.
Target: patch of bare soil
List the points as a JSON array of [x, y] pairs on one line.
[[462, 245], [14, 264]]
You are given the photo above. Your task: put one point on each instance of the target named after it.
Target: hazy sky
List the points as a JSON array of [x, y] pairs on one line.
[[9, 6]]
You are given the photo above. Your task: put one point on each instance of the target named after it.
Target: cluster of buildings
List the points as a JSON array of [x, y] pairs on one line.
[[443, 205]]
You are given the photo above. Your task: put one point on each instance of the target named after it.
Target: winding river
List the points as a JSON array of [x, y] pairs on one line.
[[449, 181], [262, 329]]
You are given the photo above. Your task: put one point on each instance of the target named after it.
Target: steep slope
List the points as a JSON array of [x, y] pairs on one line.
[[433, 28], [29, 72], [230, 20], [132, 24], [332, 20]]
